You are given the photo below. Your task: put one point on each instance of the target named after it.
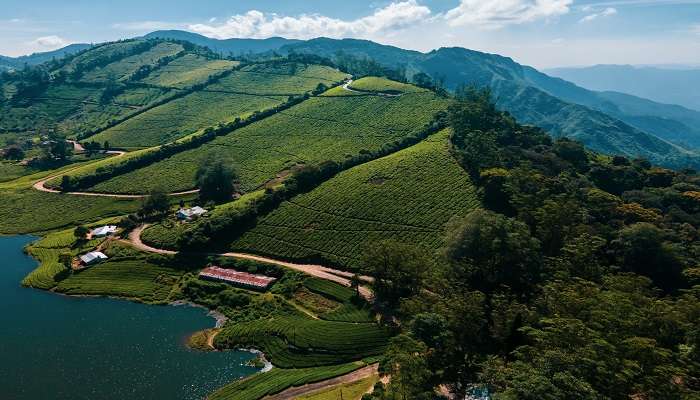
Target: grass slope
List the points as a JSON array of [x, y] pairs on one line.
[[319, 129], [408, 196], [277, 380], [187, 70], [235, 96]]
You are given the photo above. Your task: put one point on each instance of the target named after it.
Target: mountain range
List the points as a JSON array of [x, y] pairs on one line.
[[609, 122], [677, 85]]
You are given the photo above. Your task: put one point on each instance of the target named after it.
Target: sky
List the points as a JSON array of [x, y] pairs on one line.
[[541, 33]]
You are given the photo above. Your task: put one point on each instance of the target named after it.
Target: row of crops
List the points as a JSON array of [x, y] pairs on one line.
[[187, 70], [295, 342], [319, 129], [126, 66], [134, 279], [277, 380], [236, 95], [408, 196]]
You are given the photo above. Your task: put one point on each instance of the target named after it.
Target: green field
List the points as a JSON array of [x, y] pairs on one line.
[[235, 96], [277, 380], [348, 391], [374, 84], [298, 342], [319, 129], [407, 196], [187, 70], [123, 68]]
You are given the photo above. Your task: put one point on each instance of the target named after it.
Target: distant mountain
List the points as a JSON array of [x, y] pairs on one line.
[[38, 58], [605, 122], [226, 46], [666, 85]]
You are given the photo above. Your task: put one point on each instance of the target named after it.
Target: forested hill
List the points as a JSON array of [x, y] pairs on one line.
[[39, 58], [559, 107]]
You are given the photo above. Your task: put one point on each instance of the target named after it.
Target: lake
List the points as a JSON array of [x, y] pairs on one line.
[[59, 347]]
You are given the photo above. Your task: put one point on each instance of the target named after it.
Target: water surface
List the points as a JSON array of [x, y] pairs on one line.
[[60, 347]]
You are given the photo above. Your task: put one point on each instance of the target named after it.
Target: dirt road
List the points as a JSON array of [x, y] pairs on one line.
[[294, 392], [318, 271]]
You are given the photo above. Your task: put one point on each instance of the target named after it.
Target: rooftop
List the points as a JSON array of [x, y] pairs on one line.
[[233, 276]]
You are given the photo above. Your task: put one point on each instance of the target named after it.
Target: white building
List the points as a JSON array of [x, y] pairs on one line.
[[189, 213], [104, 231], [92, 258]]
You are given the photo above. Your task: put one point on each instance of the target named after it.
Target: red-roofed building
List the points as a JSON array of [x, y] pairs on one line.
[[244, 279]]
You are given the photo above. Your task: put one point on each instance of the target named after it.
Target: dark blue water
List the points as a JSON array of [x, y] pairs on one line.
[[59, 347]]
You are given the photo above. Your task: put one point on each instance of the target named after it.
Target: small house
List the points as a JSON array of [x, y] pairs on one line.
[[103, 231], [237, 278], [92, 258], [189, 213]]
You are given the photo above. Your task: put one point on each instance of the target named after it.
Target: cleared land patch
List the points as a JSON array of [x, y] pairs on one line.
[[407, 196], [319, 129], [187, 70]]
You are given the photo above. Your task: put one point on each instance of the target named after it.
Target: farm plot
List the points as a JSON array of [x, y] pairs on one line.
[[277, 380], [235, 96], [27, 210], [134, 279], [278, 79], [187, 70], [123, 68], [297, 342], [107, 51], [72, 109], [407, 196], [374, 84], [319, 129]]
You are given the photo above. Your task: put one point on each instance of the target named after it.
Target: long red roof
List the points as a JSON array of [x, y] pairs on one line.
[[234, 276]]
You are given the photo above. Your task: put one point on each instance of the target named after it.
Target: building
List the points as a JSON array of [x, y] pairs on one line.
[[103, 231], [243, 279], [92, 258], [189, 213]]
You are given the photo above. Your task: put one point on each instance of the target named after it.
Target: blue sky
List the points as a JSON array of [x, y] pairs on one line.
[[542, 33]]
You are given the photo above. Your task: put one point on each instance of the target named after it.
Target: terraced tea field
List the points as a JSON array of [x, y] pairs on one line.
[[296, 342], [407, 196], [122, 69], [319, 129], [235, 96], [187, 70], [277, 380]]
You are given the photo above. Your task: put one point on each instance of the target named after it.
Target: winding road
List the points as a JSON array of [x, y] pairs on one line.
[[41, 186], [318, 271]]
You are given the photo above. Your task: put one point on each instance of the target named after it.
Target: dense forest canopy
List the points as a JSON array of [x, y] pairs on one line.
[[578, 281]]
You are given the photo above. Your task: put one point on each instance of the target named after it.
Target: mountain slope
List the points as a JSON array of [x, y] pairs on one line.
[[226, 46], [38, 58], [663, 85], [558, 106]]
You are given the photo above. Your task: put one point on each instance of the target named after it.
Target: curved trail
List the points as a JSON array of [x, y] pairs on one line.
[[294, 392], [318, 271], [41, 186], [347, 87]]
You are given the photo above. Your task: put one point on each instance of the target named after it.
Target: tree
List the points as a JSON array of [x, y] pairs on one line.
[[80, 232], [215, 181], [106, 145], [66, 183], [66, 259], [155, 204], [487, 250], [407, 364], [398, 270], [355, 283], [14, 153], [59, 149]]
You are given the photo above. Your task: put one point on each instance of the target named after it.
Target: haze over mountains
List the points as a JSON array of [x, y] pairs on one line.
[[610, 122], [665, 85]]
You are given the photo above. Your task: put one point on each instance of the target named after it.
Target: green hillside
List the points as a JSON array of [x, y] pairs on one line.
[[253, 88], [407, 196], [319, 129]]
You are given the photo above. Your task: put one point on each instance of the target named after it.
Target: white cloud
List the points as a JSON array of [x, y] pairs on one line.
[[256, 24], [51, 42], [498, 13], [606, 12]]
